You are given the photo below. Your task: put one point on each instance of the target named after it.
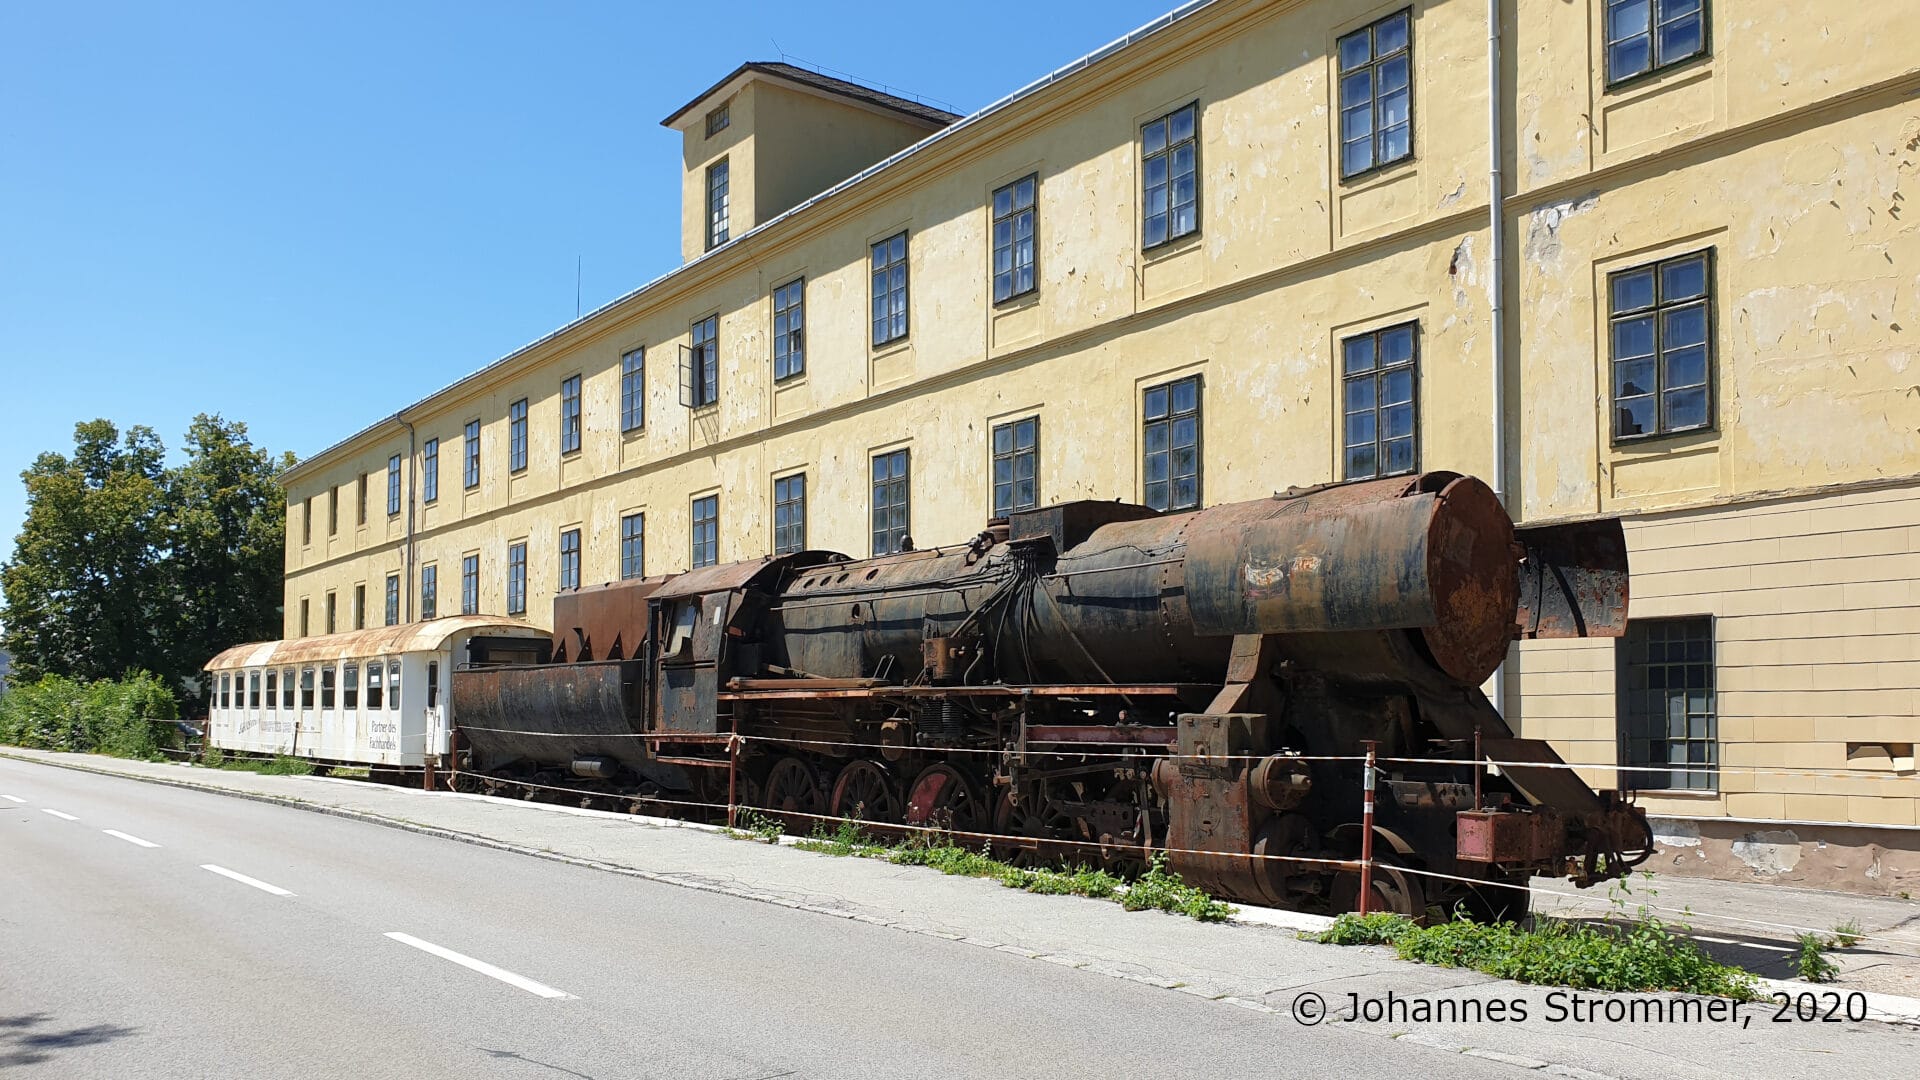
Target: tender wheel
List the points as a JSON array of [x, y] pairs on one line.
[[864, 792], [943, 798], [793, 791], [1393, 890]]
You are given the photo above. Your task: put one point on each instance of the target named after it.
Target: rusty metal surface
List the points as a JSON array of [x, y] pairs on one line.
[[506, 714], [1069, 524], [426, 636], [1510, 838], [1573, 580], [599, 621], [1549, 784], [1100, 733]]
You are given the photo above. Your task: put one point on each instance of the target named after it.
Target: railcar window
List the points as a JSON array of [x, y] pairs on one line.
[[328, 675], [273, 684], [226, 690], [306, 688], [433, 683], [376, 685], [350, 687], [253, 692], [286, 689], [393, 684]]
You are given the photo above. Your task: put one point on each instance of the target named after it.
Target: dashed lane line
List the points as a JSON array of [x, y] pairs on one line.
[[481, 966], [130, 838], [12, 798], [245, 880], [58, 814]]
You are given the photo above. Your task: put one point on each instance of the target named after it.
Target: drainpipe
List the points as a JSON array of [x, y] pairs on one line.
[[1497, 287], [406, 588]]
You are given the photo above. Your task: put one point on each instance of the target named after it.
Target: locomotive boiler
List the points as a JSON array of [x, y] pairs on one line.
[[1101, 681]]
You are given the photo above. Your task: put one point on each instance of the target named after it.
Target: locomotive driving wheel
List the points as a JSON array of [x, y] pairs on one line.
[[1031, 818], [1392, 890], [793, 790], [943, 798], [865, 792]]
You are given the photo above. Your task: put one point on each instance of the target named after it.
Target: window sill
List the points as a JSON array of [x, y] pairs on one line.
[[797, 378], [1664, 442], [1022, 301], [887, 348], [1375, 175], [631, 434], [1651, 80], [1169, 248]]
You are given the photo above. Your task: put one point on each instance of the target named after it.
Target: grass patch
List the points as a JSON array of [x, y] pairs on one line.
[[279, 765], [1159, 889], [1811, 962], [1637, 955], [749, 824], [1847, 935]]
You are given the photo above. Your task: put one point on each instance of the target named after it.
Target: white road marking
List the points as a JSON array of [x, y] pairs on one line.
[[12, 798], [1742, 944], [245, 880], [129, 838], [480, 966], [58, 814]]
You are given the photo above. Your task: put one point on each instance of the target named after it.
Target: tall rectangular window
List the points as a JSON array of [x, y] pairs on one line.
[[790, 514], [888, 263], [1171, 437], [1376, 94], [306, 621], [306, 521], [393, 485], [393, 599], [1014, 218], [470, 585], [633, 546], [706, 531], [700, 375], [570, 414], [570, 559], [430, 591], [1379, 373], [1647, 35], [472, 477], [430, 471], [718, 226], [1661, 346], [1016, 466], [633, 390], [517, 436], [789, 329], [333, 612], [359, 607], [1669, 727], [333, 511], [1170, 176], [892, 496], [517, 578], [363, 498]]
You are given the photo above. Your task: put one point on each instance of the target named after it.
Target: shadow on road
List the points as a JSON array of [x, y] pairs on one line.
[[26, 1040]]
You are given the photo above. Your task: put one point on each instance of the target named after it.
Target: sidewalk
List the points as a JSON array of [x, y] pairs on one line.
[[1257, 963]]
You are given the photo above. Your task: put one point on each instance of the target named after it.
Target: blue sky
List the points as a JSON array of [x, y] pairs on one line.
[[306, 216]]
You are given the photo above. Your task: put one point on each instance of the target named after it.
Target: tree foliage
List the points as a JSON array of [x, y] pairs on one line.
[[125, 563]]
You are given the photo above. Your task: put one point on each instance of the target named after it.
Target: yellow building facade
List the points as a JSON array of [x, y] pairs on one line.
[[1252, 246]]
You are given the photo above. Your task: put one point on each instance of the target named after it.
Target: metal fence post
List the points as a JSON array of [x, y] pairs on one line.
[[733, 778], [1366, 829]]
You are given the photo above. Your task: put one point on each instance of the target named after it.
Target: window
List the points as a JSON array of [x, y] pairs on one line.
[[253, 692], [306, 521], [1013, 240], [517, 436], [359, 607], [350, 687], [1172, 440], [1379, 372], [700, 374], [717, 121], [1669, 734], [393, 685], [789, 329], [717, 208], [1647, 35], [790, 514], [1376, 95], [226, 690], [286, 689], [376, 684], [429, 591], [1016, 462], [1661, 346], [633, 390], [328, 676], [273, 689], [333, 511], [430, 470], [332, 608], [1170, 170], [633, 546], [306, 622], [472, 477], [306, 688], [393, 485], [570, 414], [891, 495], [517, 579], [470, 585], [363, 499], [393, 599], [433, 684], [706, 531], [889, 265], [570, 559]]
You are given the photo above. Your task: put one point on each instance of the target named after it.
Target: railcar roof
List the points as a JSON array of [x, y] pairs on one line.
[[378, 641]]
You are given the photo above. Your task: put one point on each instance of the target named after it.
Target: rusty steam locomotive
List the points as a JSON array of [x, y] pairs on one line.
[[1099, 681]]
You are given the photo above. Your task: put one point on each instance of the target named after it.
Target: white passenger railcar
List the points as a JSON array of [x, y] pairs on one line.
[[374, 697]]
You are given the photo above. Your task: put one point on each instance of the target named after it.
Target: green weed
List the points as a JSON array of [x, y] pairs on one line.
[[1811, 961]]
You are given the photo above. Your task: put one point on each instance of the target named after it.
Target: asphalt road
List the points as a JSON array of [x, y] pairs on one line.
[[325, 947]]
